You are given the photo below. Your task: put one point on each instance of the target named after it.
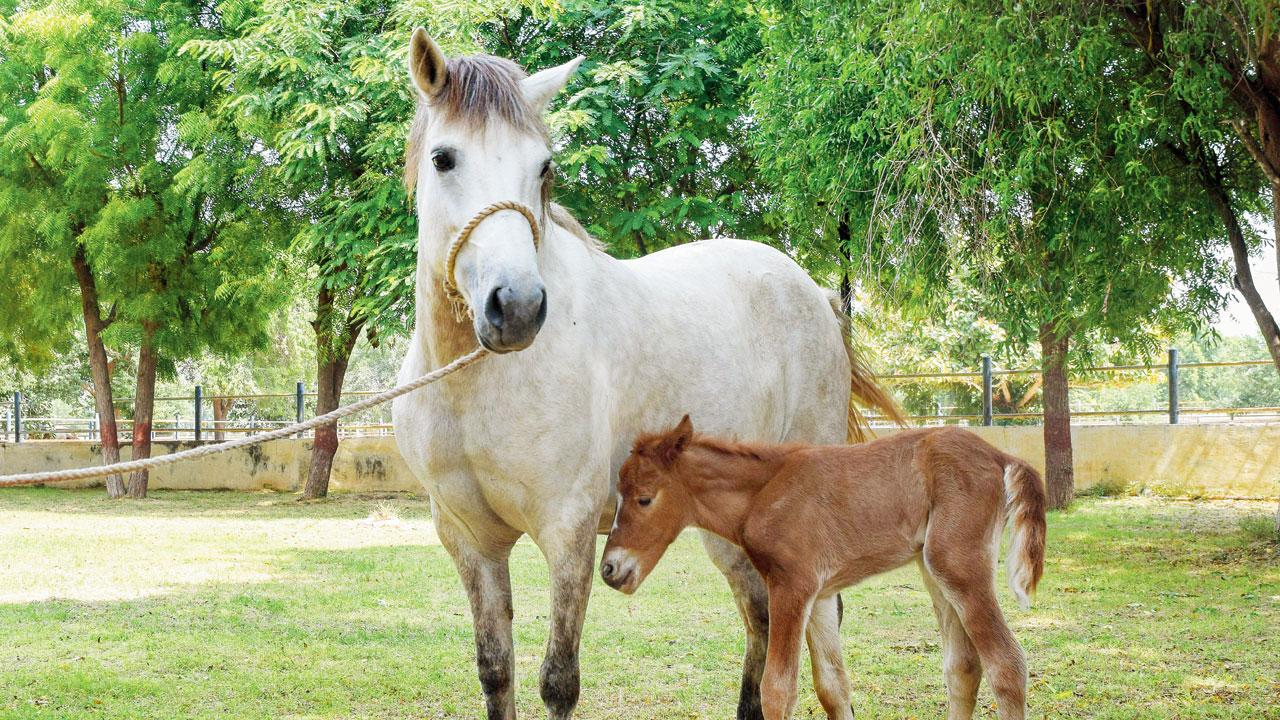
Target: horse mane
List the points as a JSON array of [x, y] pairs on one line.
[[562, 217], [762, 452], [478, 88], [647, 444]]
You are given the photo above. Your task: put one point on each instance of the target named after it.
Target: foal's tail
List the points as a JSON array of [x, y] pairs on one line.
[[1024, 497], [863, 387]]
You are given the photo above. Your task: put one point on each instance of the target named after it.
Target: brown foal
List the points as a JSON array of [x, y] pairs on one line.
[[816, 519]]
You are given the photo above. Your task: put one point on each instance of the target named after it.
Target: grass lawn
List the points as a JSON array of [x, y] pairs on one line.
[[255, 606]]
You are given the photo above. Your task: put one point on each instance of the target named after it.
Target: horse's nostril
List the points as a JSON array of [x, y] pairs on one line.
[[606, 570], [493, 308], [542, 308]]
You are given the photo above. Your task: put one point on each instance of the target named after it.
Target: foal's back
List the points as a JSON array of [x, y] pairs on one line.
[[857, 510]]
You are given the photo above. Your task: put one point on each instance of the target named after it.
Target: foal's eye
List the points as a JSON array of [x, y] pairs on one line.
[[442, 160], [645, 501], [546, 169]]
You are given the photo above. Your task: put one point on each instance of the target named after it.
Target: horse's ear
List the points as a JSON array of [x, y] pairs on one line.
[[675, 442], [426, 64], [541, 86]]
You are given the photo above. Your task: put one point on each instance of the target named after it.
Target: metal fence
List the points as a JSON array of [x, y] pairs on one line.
[[193, 417], [1173, 411]]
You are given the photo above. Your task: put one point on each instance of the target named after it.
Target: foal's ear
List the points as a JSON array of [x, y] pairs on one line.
[[426, 64], [541, 86], [675, 442]]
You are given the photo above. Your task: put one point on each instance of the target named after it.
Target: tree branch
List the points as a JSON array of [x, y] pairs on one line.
[[1255, 151]]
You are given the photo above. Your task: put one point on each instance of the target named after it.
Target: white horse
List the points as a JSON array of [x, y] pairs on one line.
[[588, 351]]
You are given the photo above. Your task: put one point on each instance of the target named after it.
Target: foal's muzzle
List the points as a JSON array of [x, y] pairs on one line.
[[513, 314], [619, 571]]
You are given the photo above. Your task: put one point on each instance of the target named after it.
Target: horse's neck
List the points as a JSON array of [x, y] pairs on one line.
[[724, 487]]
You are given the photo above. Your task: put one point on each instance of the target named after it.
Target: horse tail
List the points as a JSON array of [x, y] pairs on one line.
[[863, 387], [1024, 497]]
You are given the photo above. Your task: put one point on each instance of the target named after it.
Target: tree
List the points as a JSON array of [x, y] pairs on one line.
[[653, 144], [1208, 76], [1204, 79], [112, 165], [322, 84], [984, 142], [47, 198]]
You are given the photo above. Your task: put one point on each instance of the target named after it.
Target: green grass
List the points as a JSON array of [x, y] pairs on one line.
[[255, 606]]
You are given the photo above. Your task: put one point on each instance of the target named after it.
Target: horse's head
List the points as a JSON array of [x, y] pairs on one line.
[[654, 507], [479, 138]]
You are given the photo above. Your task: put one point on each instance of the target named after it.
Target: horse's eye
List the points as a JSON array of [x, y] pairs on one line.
[[645, 501], [442, 160], [546, 169]]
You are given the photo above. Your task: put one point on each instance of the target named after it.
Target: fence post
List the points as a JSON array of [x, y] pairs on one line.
[[299, 400], [199, 413], [17, 416], [986, 390], [1173, 386]]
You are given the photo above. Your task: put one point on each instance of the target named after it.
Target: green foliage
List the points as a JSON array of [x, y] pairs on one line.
[[653, 136], [107, 147], [322, 85], [985, 143], [904, 342]]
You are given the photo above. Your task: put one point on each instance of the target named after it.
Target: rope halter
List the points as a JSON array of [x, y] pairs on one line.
[[450, 283]]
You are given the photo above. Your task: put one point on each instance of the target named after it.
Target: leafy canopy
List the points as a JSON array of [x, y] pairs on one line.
[[109, 148], [989, 142], [652, 136]]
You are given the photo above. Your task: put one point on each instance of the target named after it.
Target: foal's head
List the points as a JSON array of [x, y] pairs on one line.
[[653, 509], [478, 138]]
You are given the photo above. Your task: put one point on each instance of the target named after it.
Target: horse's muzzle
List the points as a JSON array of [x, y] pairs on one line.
[[619, 571], [512, 316]]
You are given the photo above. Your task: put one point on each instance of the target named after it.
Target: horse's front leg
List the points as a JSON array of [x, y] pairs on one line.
[[570, 550], [753, 604], [481, 555], [789, 609]]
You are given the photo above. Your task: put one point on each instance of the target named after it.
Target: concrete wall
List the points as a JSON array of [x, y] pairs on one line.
[[1199, 460], [362, 464]]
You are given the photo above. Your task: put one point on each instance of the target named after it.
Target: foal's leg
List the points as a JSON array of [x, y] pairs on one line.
[[570, 552], [481, 558], [961, 667], [753, 604], [826, 655], [968, 583], [789, 610]]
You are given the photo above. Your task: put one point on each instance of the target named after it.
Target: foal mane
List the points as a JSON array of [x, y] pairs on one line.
[[647, 444], [761, 452], [478, 88]]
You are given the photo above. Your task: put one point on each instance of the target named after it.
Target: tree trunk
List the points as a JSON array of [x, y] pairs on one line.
[[99, 368], [221, 406], [143, 408], [1059, 473], [333, 354], [1244, 274], [846, 284]]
